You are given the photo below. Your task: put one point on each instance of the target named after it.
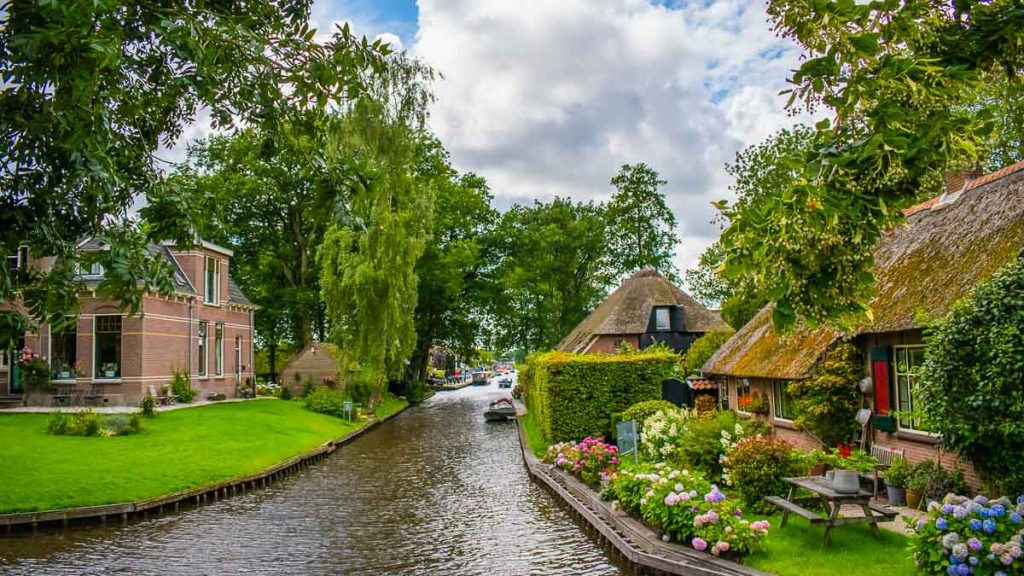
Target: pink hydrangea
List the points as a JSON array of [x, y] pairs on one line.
[[699, 544]]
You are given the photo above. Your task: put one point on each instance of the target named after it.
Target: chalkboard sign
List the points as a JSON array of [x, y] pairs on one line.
[[626, 439]]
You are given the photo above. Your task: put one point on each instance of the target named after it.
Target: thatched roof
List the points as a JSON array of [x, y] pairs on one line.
[[628, 309], [951, 244]]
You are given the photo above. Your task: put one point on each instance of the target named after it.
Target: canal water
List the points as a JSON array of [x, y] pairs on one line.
[[434, 491]]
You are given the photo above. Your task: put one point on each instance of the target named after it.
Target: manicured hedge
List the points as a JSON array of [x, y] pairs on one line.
[[573, 396]]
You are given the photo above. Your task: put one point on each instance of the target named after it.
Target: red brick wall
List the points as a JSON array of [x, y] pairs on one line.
[[314, 363], [608, 344]]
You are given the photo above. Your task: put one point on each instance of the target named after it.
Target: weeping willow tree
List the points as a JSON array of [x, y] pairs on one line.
[[369, 253]]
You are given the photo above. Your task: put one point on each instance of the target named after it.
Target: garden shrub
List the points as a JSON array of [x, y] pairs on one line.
[[416, 391], [326, 401], [641, 411], [826, 405], [662, 433], [573, 395], [59, 424], [757, 467], [964, 536], [182, 388], [307, 387], [687, 508], [88, 423], [706, 406], [286, 393], [148, 406], [35, 371], [702, 349], [935, 481], [970, 383], [591, 460]]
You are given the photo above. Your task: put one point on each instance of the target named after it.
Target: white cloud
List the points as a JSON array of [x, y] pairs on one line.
[[546, 98]]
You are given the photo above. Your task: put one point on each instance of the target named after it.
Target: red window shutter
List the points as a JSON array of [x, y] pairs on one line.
[[880, 373]]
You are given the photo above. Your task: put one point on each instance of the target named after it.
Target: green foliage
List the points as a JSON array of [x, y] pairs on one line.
[[181, 388], [148, 406], [641, 411], [900, 81], [826, 405], [970, 385], [88, 423], [897, 473], [641, 227], [701, 447], [934, 481], [573, 395], [325, 401], [58, 424], [286, 393], [701, 350], [757, 467], [706, 406], [416, 391], [941, 538], [35, 372]]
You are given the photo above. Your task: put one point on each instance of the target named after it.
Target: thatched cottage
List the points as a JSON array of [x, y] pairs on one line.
[[951, 244], [647, 308]]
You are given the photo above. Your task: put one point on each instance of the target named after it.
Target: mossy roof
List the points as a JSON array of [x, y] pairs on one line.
[[628, 310], [950, 245]]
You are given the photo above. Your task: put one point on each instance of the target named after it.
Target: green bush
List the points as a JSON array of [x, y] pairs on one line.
[[757, 467], [573, 396], [59, 424], [898, 473], [326, 401], [702, 349], [970, 383], [705, 442], [286, 393], [416, 391], [182, 389], [641, 411], [826, 405], [88, 423], [307, 388], [148, 406]]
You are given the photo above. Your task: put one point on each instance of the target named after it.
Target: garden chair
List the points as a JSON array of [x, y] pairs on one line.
[[161, 399], [885, 456]]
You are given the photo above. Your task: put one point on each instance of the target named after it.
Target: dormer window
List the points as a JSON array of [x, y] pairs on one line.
[[95, 269], [662, 320], [212, 291]]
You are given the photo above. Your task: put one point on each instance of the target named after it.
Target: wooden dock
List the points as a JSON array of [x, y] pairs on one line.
[[637, 544]]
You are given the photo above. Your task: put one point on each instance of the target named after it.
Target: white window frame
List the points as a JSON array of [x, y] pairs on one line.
[[777, 398], [211, 294], [74, 373], [218, 349], [909, 375], [20, 257], [238, 358], [95, 366], [743, 383], [723, 394], [203, 335], [658, 312]]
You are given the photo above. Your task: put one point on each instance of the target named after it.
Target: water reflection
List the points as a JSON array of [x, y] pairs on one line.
[[434, 491]]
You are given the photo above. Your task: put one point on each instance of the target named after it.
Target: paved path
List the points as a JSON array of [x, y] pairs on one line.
[[118, 409]]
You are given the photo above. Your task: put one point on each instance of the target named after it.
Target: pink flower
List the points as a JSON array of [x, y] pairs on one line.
[[699, 544]]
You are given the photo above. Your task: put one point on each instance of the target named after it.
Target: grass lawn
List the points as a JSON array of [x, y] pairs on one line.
[[534, 436], [796, 551], [178, 450], [388, 406]]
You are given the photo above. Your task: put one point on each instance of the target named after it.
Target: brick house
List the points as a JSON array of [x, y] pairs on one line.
[[951, 244], [647, 308], [204, 329], [318, 363]]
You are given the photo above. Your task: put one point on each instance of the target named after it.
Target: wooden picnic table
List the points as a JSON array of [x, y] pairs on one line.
[[822, 488]]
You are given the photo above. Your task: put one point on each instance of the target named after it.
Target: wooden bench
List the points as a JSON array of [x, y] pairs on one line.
[[885, 456], [795, 508]]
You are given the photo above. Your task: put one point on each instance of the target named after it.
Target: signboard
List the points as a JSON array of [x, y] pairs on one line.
[[626, 439]]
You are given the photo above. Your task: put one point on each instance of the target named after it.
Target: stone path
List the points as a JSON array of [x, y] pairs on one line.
[[119, 409]]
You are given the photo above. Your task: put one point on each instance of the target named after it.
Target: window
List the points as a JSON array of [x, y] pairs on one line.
[[95, 269], [781, 400], [909, 360], [202, 348], [743, 392], [218, 349], [661, 319], [212, 292], [238, 358], [107, 344], [723, 395], [64, 353], [19, 259]]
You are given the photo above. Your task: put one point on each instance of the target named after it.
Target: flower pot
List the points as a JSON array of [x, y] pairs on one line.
[[897, 495], [914, 499], [64, 375], [109, 373], [846, 482], [830, 475], [816, 470]]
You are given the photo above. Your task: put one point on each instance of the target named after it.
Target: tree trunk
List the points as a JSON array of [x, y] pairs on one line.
[[375, 398], [272, 353]]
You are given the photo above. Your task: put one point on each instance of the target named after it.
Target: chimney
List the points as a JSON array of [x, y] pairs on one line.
[[957, 181]]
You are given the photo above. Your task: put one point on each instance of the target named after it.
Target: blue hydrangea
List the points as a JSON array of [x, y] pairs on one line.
[[951, 570], [963, 570], [973, 560], [974, 507], [960, 512], [975, 524], [1000, 573], [981, 499], [947, 509], [941, 524], [998, 509], [989, 526], [1020, 499], [1016, 518], [985, 513]]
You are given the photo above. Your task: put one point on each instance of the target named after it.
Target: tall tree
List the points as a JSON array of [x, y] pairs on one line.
[[92, 88], [641, 227], [900, 78]]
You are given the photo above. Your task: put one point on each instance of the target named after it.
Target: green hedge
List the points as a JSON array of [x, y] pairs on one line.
[[574, 395]]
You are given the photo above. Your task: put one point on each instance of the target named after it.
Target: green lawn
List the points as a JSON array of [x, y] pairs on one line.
[[178, 450], [534, 435], [796, 551], [388, 406]]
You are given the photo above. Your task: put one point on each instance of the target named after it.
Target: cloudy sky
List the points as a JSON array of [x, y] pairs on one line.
[[551, 97]]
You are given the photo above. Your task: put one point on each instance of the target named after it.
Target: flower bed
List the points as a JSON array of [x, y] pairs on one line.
[[963, 536], [592, 460], [687, 508]]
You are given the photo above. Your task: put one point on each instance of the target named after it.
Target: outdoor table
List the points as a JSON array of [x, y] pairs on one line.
[[822, 488]]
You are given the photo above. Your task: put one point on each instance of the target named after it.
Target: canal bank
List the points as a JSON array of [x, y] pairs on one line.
[[436, 491]]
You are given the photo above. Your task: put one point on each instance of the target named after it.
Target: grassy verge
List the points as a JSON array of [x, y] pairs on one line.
[[534, 435], [179, 450], [388, 406], [796, 550]]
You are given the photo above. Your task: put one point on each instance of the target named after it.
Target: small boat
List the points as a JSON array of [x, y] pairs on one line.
[[505, 383], [500, 410], [480, 378]]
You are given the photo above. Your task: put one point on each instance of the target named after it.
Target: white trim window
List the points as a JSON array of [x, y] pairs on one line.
[[106, 346], [64, 353], [907, 368], [203, 328], [743, 390], [19, 259], [95, 270], [211, 292], [723, 395], [782, 402], [662, 319], [218, 349], [238, 358]]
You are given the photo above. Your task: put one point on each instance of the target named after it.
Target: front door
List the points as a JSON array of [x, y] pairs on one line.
[[10, 380]]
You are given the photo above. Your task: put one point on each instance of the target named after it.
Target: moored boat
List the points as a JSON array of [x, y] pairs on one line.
[[500, 410]]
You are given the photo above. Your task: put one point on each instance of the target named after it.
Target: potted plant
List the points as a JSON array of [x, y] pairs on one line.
[[917, 483], [109, 369], [63, 371], [850, 464], [754, 403], [896, 477], [815, 461]]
